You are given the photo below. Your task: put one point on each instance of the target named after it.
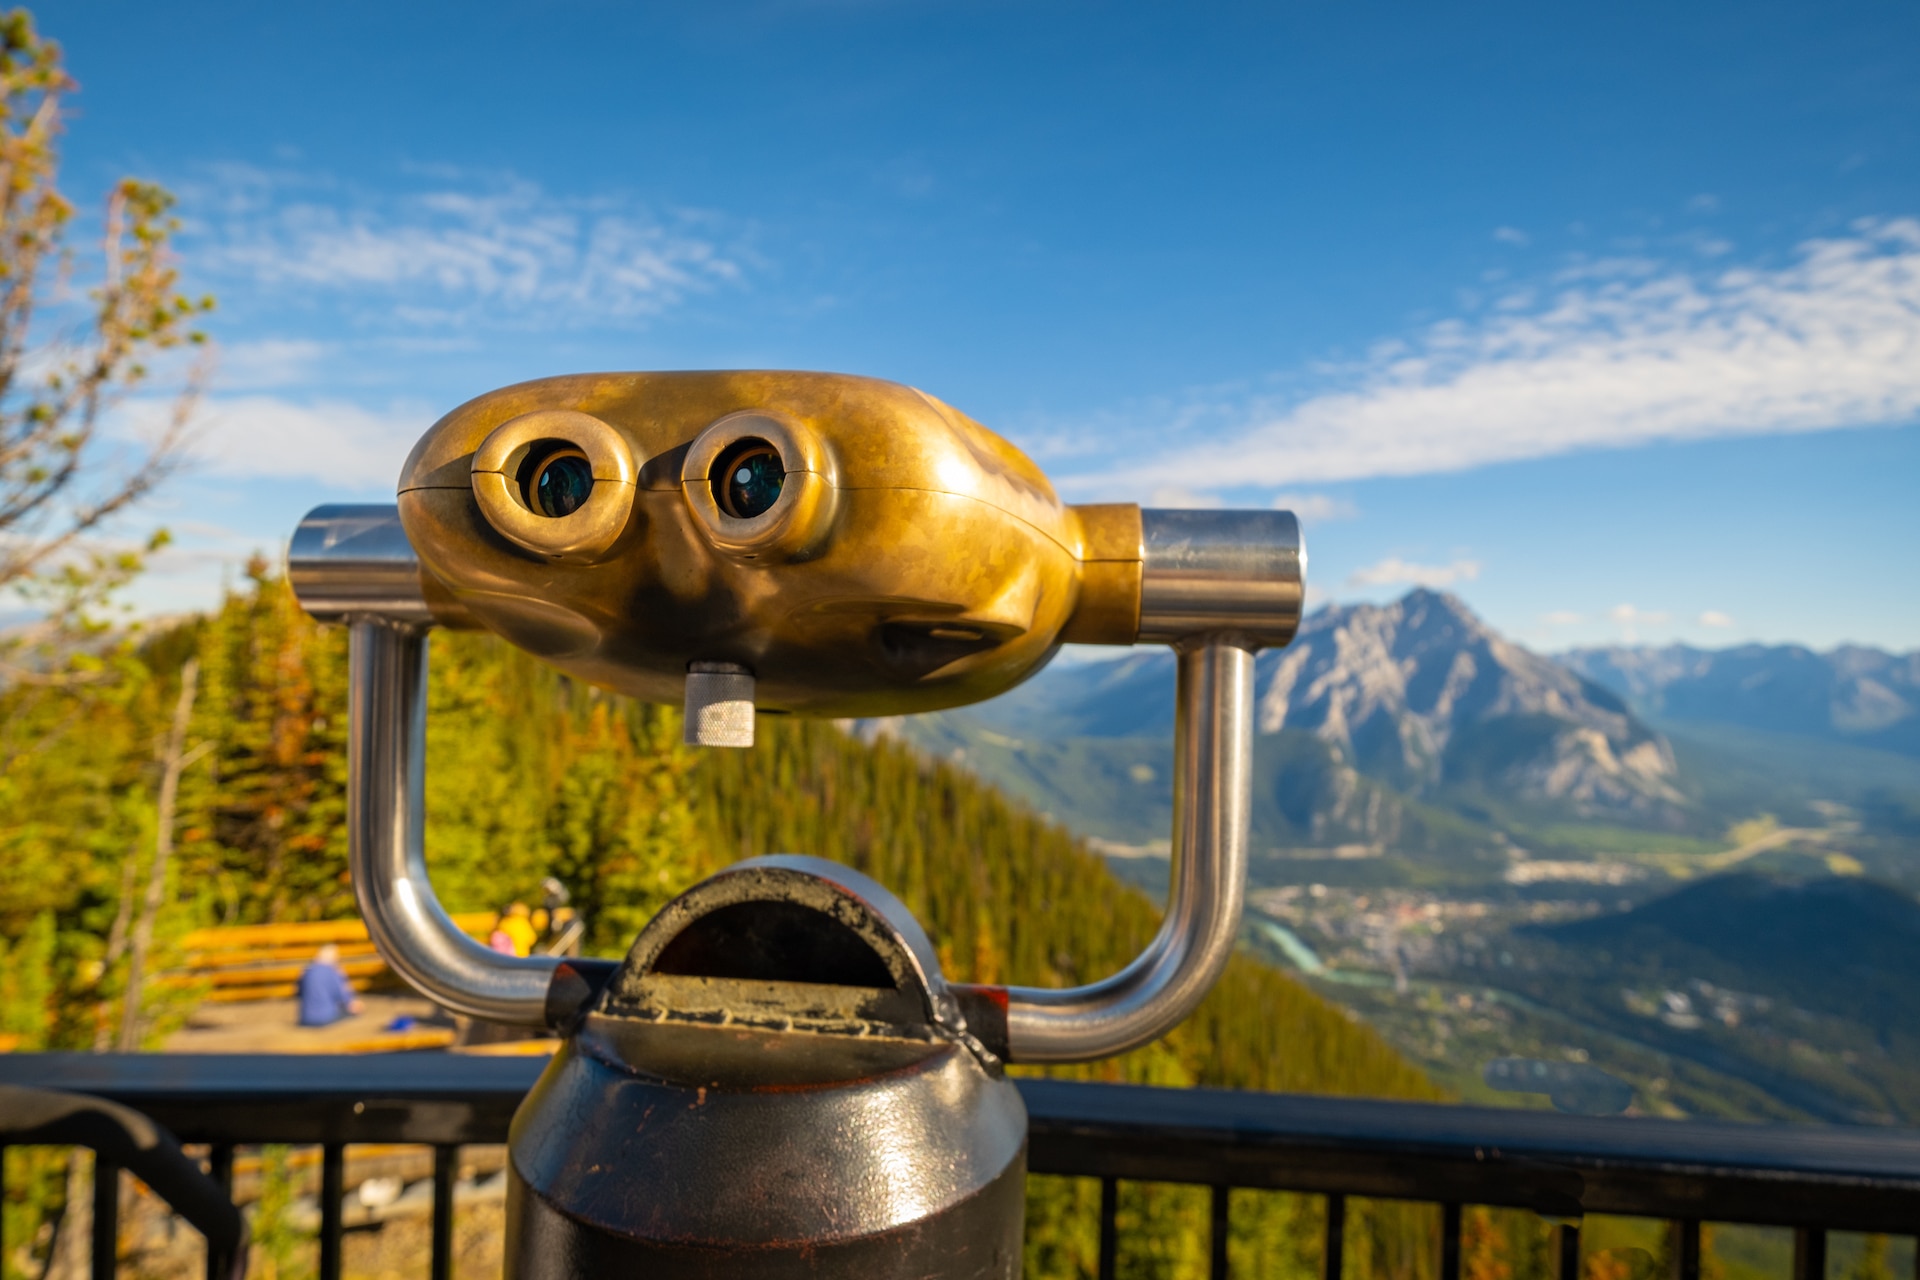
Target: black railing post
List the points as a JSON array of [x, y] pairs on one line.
[[106, 1218], [1686, 1249], [1810, 1254], [1109, 1227], [220, 1169], [1566, 1251], [1450, 1240], [333, 1191], [446, 1166], [1333, 1249], [220, 1166], [1221, 1197]]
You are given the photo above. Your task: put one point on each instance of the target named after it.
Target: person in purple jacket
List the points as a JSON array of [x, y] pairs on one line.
[[325, 997]]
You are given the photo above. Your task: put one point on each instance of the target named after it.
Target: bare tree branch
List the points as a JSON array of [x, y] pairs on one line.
[[55, 487]]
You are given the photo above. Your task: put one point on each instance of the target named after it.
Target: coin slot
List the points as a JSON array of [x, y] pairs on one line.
[[771, 941]]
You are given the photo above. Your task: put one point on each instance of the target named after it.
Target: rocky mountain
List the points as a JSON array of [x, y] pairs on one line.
[[1370, 724], [1861, 696], [1422, 694]]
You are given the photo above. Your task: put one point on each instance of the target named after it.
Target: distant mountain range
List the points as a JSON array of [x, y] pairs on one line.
[[1419, 695], [1863, 697], [1740, 829], [1417, 728]]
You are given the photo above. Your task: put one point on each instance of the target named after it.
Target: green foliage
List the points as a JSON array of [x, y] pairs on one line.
[[279, 1251], [27, 984], [263, 822], [34, 1186]]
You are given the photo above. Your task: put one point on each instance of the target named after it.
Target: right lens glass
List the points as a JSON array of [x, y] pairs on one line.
[[748, 479]]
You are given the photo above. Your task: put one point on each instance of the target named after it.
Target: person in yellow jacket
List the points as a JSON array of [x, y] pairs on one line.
[[516, 924]]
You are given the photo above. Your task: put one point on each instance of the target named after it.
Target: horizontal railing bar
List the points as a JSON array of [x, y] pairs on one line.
[[432, 1099], [1852, 1178]]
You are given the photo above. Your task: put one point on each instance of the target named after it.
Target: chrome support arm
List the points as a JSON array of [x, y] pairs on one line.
[[1213, 760], [354, 565], [386, 852]]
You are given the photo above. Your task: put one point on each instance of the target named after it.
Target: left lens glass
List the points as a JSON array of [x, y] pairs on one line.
[[561, 484]]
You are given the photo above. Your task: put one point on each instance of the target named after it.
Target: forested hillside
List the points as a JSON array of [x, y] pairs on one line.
[[531, 774]]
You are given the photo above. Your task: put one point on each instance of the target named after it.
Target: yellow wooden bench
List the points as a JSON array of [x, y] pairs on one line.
[[264, 961]]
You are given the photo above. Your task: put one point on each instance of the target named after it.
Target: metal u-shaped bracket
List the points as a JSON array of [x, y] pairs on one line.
[[386, 848], [1213, 762], [1217, 585]]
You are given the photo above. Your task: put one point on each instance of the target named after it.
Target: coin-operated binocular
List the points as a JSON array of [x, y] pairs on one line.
[[778, 1080]]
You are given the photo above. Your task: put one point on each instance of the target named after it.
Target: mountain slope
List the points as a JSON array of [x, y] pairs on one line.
[[1801, 986], [1855, 695]]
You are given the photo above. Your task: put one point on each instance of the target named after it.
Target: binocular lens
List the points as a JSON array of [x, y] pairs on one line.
[[748, 479], [562, 484]]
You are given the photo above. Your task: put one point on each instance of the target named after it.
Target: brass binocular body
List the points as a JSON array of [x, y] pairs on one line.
[[794, 542], [851, 547]]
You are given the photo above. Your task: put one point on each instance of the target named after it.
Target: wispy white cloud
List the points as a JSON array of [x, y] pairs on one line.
[[332, 442], [1180, 497], [1621, 351], [459, 248], [1395, 572], [1312, 508], [1631, 618], [1512, 236], [1715, 618], [1316, 508], [268, 363], [1562, 618]]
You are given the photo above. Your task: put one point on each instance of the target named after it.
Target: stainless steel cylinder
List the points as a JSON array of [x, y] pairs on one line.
[[1242, 573], [355, 560], [719, 705]]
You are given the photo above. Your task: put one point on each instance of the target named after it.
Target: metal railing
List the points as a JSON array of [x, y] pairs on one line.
[[1812, 1179]]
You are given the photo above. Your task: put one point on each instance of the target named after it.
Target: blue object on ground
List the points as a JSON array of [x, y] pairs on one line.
[[325, 997]]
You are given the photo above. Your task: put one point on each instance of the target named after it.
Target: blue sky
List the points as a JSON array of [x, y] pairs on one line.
[[1607, 318]]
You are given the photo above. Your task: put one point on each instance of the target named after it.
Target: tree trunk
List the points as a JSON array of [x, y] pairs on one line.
[[173, 763], [116, 947], [73, 1233]]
